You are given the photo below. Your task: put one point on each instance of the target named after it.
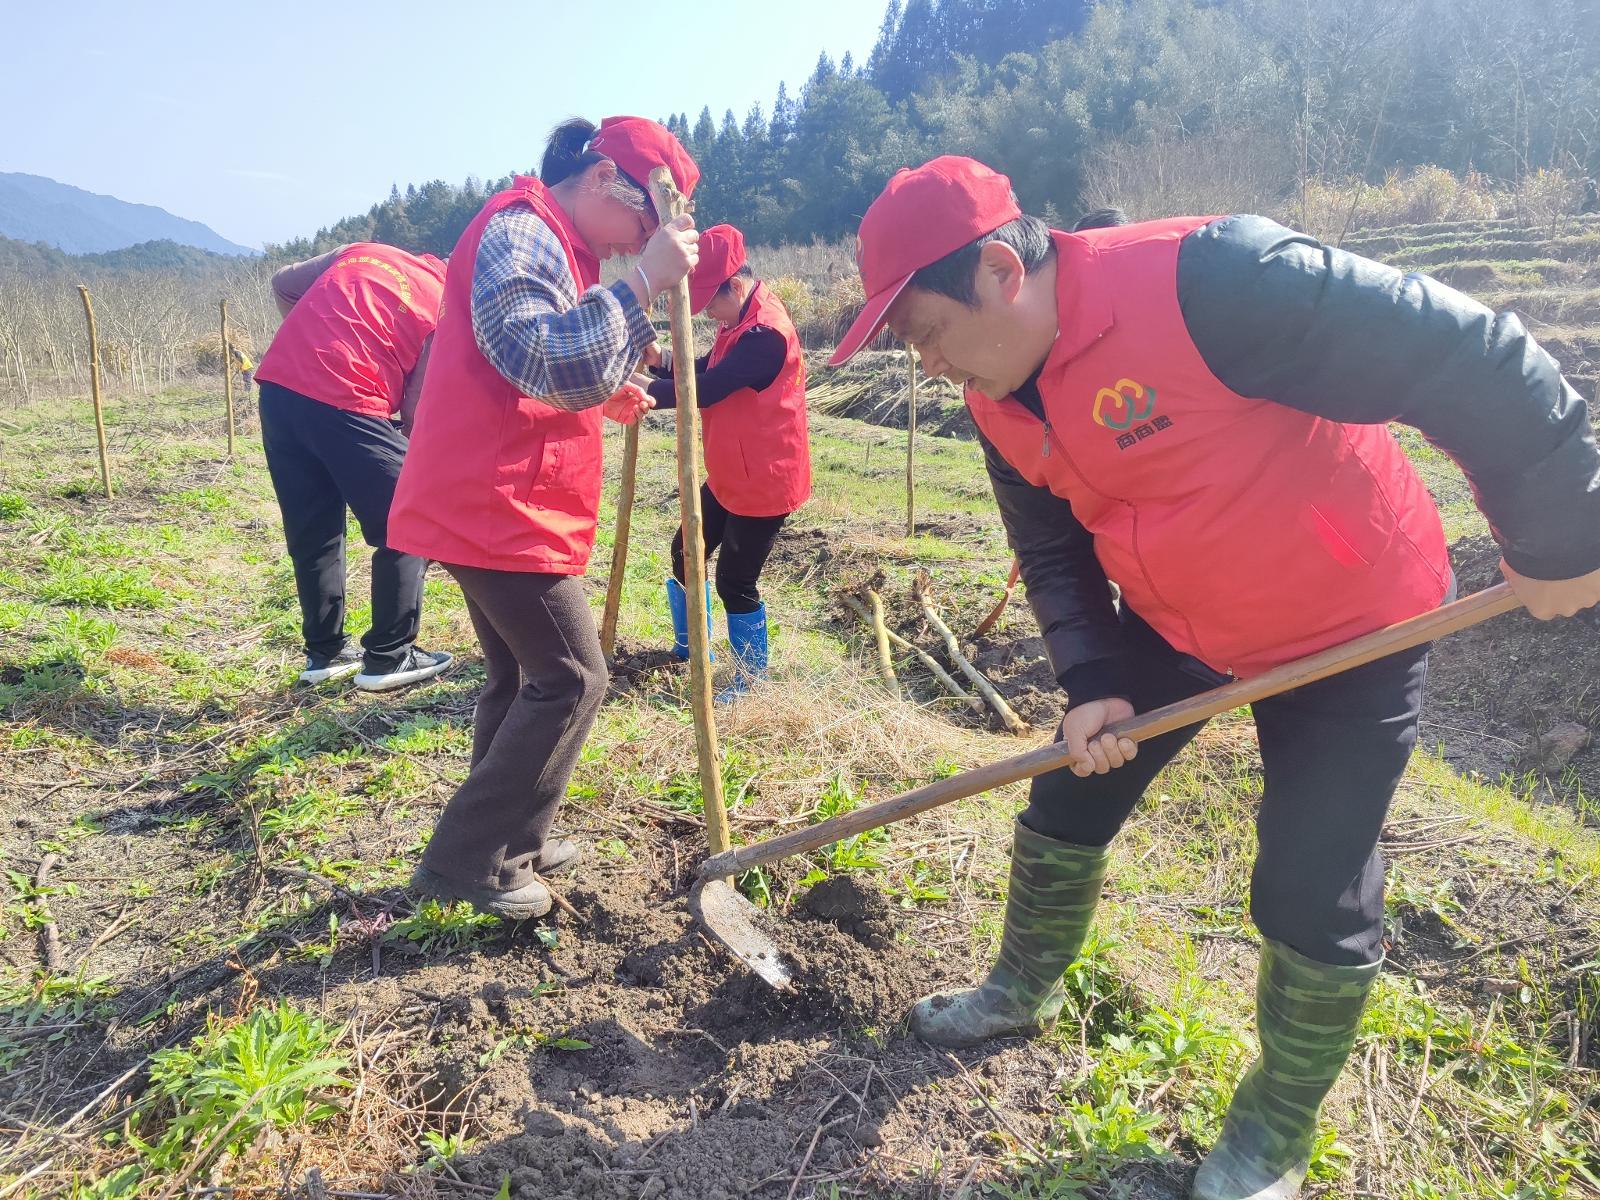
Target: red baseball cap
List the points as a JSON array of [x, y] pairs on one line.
[[721, 254], [923, 214], [639, 145]]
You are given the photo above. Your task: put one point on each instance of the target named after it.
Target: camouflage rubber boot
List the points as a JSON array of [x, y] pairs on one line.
[[1054, 889], [1307, 1015]]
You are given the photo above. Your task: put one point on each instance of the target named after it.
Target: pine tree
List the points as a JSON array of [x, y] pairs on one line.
[[782, 127], [883, 48], [705, 132], [915, 53]]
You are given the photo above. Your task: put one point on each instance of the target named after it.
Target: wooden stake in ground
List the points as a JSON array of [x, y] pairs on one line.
[[619, 543], [227, 376], [94, 388], [911, 442], [669, 204]]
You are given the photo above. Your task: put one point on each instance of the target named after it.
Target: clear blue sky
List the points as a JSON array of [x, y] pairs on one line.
[[266, 121]]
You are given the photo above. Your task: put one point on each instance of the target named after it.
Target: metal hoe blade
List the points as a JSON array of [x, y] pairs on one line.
[[729, 917]]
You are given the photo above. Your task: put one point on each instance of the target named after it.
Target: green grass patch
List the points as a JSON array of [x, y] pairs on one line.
[[69, 581], [210, 1100]]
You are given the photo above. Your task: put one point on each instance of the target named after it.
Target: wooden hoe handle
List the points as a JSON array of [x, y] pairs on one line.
[[1425, 628]]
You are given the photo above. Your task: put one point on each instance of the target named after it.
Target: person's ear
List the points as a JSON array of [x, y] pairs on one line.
[[1000, 272], [602, 173]]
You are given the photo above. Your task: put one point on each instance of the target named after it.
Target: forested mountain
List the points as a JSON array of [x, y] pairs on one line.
[[1117, 98], [38, 258]]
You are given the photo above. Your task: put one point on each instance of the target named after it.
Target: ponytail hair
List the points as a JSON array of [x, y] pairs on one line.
[[1101, 218], [566, 154]]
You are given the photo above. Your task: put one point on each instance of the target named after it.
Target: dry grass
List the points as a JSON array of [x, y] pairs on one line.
[[1429, 195]]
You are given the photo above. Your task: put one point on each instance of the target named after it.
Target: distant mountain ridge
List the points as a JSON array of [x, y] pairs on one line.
[[38, 259], [36, 209]]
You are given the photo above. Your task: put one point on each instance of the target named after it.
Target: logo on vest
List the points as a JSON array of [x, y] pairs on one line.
[[401, 283], [1129, 408]]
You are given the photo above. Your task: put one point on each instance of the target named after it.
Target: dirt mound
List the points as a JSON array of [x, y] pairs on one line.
[[632, 1059], [854, 905], [1020, 669]]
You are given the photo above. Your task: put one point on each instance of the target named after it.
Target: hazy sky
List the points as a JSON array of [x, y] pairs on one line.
[[266, 121]]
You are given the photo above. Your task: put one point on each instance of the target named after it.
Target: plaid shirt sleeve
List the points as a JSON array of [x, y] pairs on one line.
[[568, 350]]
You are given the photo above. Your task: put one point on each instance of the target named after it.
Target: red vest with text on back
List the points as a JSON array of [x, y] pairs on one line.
[[356, 334], [758, 449], [1247, 533], [495, 479]]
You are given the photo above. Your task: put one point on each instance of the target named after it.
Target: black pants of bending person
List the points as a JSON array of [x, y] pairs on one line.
[[323, 460], [1333, 753], [745, 544]]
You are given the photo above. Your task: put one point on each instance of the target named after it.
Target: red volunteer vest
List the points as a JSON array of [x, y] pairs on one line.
[[493, 478], [1245, 532], [356, 334], [758, 448]]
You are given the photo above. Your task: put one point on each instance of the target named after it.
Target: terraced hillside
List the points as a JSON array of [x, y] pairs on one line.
[[1549, 276]]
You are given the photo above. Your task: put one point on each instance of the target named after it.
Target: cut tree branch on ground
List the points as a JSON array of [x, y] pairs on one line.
[[922, 588], [49, 935], [880, 629], [944, 677]]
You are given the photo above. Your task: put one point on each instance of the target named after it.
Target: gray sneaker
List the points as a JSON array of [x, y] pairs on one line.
[[322, 669], [414, 668], [530, 900]]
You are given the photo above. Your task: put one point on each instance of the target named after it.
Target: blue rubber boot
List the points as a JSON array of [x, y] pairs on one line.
[[747, 635], [678, 602]]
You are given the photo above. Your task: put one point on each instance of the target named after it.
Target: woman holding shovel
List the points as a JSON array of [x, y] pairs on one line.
[[502, 485], [1195, 409], [752, 393]]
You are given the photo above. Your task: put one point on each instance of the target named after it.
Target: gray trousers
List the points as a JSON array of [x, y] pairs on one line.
[[546, 680]]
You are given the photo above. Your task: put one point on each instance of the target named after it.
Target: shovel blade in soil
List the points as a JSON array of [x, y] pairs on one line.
[[730, 919]]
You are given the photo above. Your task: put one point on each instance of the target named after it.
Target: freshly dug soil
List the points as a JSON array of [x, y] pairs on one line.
[[1495, 688], [698, 1080]]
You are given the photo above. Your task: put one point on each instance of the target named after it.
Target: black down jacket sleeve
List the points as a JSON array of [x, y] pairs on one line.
[[1067, 587], [754, 362], [1278, 316]]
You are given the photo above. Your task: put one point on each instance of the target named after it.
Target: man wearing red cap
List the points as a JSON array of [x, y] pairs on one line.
[[1195, 409], [502, 485], [350, 356], [752, 395]]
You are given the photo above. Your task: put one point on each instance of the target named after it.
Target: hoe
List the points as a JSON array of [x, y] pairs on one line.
[[728, 916]]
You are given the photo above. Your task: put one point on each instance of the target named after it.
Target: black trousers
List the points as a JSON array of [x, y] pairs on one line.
[[1333, 753], [746, 543], [322, 460]]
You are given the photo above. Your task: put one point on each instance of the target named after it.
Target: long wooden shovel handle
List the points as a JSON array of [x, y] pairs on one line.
[[1425, 628]]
